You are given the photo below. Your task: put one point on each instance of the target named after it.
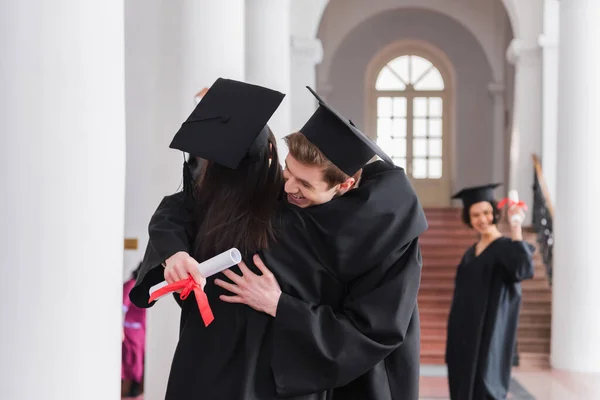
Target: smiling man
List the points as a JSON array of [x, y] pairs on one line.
[[310, 177]]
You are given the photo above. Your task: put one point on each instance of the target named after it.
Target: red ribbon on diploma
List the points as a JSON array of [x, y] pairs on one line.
[[187, 286], [511, 203]]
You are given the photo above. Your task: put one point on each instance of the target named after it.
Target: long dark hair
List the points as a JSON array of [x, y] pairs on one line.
[[235, 207]]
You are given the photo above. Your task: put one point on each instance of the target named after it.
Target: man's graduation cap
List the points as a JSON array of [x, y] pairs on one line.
[[341, 142], [475, 194], [229, 123]]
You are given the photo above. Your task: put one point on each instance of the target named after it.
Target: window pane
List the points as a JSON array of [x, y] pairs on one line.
[[388, 81], [400, 161], [420, 106], [384, 127], [435, 168], [399, 148], [435, 127], [419, 147], [419, 168], [399, 127], [384, 107], [419, 127], [419, 67], [435, 147], [399, 106], [400, 67], [431, 81], [435, 106], [385, 142]]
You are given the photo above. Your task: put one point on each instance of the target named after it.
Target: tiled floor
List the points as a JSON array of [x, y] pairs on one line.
[[542, 385]]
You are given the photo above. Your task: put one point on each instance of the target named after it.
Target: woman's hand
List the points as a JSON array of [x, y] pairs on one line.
[[261, 292], [515, 218], [180, 266]]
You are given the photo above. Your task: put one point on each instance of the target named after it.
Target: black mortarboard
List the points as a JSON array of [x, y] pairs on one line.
[[475, 194], [229, 123], [341, 142]]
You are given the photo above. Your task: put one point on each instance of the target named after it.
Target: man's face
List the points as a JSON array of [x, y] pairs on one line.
[[305, 185]]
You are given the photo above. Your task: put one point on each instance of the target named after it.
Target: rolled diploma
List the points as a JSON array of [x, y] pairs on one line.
[[513, 195], [211, 266]]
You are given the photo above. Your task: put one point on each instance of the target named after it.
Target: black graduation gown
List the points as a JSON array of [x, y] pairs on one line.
[[350, 272], [483, 319]]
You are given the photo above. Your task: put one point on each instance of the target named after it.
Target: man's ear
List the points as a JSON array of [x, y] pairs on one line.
[[346, 185]]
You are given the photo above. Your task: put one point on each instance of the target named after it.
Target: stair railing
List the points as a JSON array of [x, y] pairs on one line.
[[543, 215]]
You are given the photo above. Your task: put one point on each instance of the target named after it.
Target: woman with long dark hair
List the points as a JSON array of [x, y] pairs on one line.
[[483, 319], [233, 199]]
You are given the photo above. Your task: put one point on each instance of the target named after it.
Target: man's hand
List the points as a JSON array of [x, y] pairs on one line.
[[179, 266], [261, 292]]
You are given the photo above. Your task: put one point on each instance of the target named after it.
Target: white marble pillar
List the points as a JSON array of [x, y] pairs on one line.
[[268, 54], [62, 170], [549, 44], [307, 52], [174, 49], [496, 90], [575, 293], [526, 132]]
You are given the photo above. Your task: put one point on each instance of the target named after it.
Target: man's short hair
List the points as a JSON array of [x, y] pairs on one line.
[[307, 153]]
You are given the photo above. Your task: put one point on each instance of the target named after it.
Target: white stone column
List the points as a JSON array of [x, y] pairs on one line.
[[174, 50], [526, 133], [496, 90], [575, 293], [549, 43], [307, 52], [62, 170], [268, 54]]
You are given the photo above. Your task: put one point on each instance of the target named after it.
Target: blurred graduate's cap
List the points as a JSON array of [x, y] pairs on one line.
[[475, 194]]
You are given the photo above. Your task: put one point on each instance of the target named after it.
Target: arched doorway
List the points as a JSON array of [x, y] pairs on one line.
[[409, 111]]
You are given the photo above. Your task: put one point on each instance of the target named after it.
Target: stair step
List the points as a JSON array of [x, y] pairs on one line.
[[435, 275], [534, 345], [533, 361], [459, 243]]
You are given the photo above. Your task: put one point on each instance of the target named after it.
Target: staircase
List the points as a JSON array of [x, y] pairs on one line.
[[443, 246]]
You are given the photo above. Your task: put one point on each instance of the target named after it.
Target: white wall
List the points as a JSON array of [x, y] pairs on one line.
[[306, 53], [549, 43], [526, 135], [268, 54], [477, 16], [172, 51]]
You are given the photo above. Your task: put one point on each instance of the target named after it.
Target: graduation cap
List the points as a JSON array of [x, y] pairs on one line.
[[339, 139], [229, 123], [475, 194]]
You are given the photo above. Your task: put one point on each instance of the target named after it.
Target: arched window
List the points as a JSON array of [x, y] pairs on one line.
[[410, 95]]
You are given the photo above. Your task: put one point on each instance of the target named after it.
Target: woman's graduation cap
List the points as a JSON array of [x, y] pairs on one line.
[[341, 142], [229, 123], [475, 194]]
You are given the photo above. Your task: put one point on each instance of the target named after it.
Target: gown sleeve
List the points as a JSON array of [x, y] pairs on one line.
[[517, 259], [316, 347], [170, 231]]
